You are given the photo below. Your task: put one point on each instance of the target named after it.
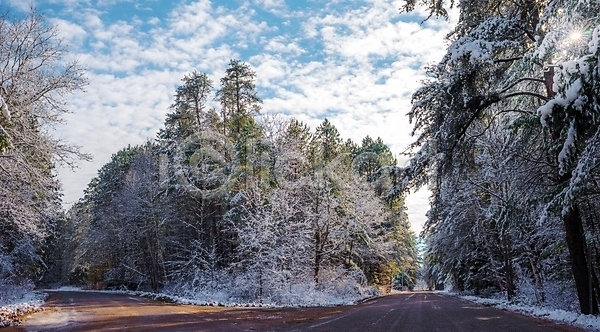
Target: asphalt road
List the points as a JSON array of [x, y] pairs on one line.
[[430, 312], [91, 311]]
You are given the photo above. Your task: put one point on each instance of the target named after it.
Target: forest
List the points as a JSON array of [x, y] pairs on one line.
[[225, 204], [255, 209], [507, 139], [236, 206]]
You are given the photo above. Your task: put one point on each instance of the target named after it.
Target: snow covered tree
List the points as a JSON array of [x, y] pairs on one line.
[[256, 209], [239, 104], [34, 79], [292, 154], [274, 242], [141, 225], [100, 225], [371, 156], [493, 74]]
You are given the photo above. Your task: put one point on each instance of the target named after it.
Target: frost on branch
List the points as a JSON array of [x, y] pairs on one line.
[[577, 104]]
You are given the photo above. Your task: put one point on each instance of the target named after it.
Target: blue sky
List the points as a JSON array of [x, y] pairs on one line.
[[356, 62]]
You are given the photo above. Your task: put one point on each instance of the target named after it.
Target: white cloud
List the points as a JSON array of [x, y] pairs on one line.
[[187, 19], [370, 32], [418, 205], [271, 4], [282, 45], [22, 5], [70, 4], [275, 7], [71, 33]]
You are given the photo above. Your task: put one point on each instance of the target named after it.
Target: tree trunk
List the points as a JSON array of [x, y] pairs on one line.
[[509, 271], [260, 287], [577, 252], [540, 295], [317, 256]]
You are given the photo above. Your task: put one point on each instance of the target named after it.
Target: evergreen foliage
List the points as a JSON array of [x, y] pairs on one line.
[[507, 132], [227, 202]]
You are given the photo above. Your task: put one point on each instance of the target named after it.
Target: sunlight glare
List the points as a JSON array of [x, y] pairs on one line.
[[575, 35]]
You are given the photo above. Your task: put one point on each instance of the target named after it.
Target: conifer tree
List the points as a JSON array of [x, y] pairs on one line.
[[512, 69], [238, 98], [189, 108]]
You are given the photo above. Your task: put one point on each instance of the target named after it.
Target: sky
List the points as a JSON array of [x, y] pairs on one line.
[[354, 62]]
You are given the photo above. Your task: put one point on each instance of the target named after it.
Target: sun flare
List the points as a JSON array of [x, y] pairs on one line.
[[575, 35]]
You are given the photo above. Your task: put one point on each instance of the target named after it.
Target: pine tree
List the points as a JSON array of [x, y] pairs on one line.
[[239, 98], [327, 143], [189, 107]]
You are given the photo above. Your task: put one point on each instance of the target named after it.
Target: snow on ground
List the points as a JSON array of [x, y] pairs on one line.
[[12, 311], [588, 322], [298, 295], [315, 300], [69, 288]]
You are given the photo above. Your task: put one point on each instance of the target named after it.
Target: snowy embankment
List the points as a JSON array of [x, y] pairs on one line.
[[13, 310], [587, 322], [217, 300]]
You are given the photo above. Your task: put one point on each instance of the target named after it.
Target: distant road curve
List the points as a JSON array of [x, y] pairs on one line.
[[422, 311]]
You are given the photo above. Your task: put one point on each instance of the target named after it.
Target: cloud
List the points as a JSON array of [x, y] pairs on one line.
[[193, 18], [271, 4], [282, 45], [418, 205], [70, 5], [22, 5], [375, 32], [72, 34]]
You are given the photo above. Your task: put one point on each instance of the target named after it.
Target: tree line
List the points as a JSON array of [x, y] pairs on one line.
[[224, 201], [507, 128], [34, 78], [256, 207]]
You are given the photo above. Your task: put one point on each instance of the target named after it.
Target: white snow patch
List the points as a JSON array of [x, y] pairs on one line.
[[588, 322], [568, 146], [12, 311], [69, 289], [307, 296]]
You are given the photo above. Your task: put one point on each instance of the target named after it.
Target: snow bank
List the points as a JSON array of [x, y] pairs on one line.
[[224, 294], [588, 322], [12, 311], [318, 300], [284, 288], [295, 295]]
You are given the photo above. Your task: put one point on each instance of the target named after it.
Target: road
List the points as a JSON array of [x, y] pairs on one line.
[[92, 311]]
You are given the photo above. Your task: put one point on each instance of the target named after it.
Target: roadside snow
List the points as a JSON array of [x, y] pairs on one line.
[[588, 322], [314, 301], [11, 312], [69, 289], [302, 299]]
